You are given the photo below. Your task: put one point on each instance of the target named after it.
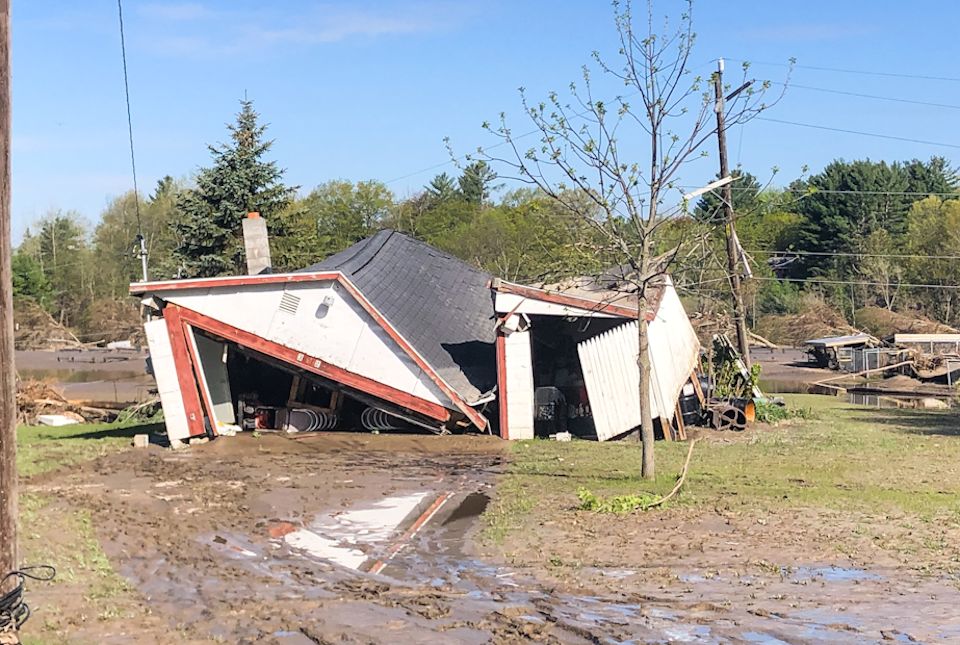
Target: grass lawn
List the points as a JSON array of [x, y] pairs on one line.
[[843, 457], [56, 533], [42, 449]]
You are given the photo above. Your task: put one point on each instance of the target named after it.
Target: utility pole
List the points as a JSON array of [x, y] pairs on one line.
[[141, 251], [733, 252], [8, 375]]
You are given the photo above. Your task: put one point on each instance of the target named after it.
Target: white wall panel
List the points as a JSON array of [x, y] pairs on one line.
[[341, 333], [612, 377], [165, 374], [519, 385]]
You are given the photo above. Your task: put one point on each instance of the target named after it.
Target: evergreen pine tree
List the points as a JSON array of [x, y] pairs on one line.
[[239, 181], [476, 182], [441, 188]]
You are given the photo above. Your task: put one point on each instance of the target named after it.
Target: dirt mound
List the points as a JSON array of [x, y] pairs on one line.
[[883, 323], [35, 328], [815, 320]]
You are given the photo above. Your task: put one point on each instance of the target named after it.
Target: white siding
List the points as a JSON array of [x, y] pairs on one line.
[[342, 334], [612, 377], [519, 376], [165, 374]]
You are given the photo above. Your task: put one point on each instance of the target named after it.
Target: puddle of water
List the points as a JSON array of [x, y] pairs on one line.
[[292, 638], [341, 537], [785, 386], [687, 634], [78, 376], [834, 574], [326, 548], [761, 637], [827, 617], [875, 400], [472, 506]]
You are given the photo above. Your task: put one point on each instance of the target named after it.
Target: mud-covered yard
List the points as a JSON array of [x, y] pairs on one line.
[[840, 527]]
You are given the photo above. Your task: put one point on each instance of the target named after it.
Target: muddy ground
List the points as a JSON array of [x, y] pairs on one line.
[[203, 538]]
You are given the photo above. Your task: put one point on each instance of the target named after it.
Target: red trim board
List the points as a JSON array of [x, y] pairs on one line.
[[139, 288], [577, 302], [184, 369], [310, 363]]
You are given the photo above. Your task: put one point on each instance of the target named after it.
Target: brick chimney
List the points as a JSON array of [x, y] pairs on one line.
[[257, 244]]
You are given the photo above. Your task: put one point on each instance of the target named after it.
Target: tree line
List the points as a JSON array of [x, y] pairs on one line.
[[859, 232]]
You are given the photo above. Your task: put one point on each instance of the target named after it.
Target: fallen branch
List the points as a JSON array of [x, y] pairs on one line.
[[680, 478], [757, 338]]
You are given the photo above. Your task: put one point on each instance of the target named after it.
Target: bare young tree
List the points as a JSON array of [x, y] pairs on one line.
[[592, 148]]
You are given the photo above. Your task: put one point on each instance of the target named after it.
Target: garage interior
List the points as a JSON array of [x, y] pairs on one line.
[[250, 391]]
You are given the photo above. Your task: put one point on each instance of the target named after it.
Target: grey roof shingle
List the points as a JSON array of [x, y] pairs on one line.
[[442, 306]]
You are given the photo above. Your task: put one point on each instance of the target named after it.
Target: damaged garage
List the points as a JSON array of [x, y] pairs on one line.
[[384, 335], [393, 334]]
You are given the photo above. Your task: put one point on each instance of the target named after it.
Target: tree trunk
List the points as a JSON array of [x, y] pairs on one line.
[[647, 470]]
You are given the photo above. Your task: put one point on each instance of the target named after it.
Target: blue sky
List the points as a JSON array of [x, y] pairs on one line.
[[361, 90]]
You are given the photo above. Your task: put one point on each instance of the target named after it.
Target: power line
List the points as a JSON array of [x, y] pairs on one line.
[[867, 96], [860, 283], [924, 77], [126, 91], [519, 136], [827, 191], [903, 256], [859, 132], [141, 243]]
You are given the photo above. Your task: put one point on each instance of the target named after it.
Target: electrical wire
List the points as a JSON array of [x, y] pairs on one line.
[[126, 90], [519, 136], [859, 283], [924, 77], [859, 132], [902, 256], [14, 611], [827, 191], [867, 96]]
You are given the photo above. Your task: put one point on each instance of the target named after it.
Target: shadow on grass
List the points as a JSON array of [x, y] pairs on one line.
[[123, 432], [919, 422]]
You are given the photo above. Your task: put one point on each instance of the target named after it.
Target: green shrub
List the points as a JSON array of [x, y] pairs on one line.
[[770, 412], [618, 504]]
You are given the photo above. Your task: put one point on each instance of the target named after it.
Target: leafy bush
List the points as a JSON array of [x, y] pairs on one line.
[[618, 504], [770, 412]]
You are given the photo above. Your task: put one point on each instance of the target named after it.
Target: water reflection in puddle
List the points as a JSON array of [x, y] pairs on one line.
[[834, 574]]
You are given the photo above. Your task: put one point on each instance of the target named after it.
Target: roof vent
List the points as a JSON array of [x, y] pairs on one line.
[[289, 303]]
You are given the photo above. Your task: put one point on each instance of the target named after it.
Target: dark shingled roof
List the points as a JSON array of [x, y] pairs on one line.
[[442, 306]]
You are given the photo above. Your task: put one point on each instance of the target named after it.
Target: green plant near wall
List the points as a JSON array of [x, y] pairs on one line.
[[728, 381]]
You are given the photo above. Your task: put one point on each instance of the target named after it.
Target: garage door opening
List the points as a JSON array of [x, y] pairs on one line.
[[246, 390]]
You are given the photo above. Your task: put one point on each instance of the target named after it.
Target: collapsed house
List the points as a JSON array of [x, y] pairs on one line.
[[394, 334]]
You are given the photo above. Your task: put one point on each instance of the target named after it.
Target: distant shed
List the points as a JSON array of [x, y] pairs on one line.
[[835, 351]]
